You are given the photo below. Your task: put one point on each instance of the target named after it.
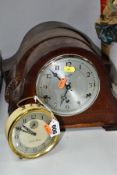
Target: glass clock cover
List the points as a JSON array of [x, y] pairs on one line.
[[68, 84]]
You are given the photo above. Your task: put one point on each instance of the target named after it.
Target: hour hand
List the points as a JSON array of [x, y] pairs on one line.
[[29, 130], [20, 129], [55, 74]]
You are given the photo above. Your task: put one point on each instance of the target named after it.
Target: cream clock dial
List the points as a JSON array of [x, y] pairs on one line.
[[27, 132]]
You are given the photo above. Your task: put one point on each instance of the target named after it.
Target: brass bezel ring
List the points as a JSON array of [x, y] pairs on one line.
[[23, 100], [15, 117]]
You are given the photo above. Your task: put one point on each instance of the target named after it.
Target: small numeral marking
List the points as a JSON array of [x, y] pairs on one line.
[[49, 75], [33, 116], [68, 64], [45, 86], [24, 120], [88, 95], [88, 74], [67, 106], [80, 66], [91, 85], [56, 67], [78, 102], [16, 137]]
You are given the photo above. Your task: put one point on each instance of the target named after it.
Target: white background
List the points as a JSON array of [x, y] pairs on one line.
[[80, 151], [19, 16]]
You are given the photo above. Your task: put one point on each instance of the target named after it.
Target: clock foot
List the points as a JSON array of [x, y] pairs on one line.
[[110, 127]]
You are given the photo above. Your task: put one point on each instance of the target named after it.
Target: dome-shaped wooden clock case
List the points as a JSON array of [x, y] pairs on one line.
[[40, 45]]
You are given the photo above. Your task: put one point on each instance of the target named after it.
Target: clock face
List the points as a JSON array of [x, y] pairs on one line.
[[28, 135], [68, 84]]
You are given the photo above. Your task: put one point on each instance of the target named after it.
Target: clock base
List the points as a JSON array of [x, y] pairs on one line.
[[110, 128]]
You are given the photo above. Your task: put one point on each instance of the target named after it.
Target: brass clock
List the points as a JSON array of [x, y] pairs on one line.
[[32, 130], [63, 67]]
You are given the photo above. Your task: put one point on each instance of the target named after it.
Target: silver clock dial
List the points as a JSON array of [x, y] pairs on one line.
[[68, 84]]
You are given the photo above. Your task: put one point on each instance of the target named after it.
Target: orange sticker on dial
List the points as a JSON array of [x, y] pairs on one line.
[[62, 82], [47, 129]]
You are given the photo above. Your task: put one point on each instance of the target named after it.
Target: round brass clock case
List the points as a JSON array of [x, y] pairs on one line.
[[29, 72], [26, 132]]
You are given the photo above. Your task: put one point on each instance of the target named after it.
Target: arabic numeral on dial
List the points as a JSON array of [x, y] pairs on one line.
[[90, 85], [34, 149], [88, 95], [45, 86], [80, 66], [16, 137], [24, 120], [54, 129], [78, 102], [67, 106], [19, 144], [33, 116], [49, 75], [88, 74], [42, 117], [18, 128], [46, 98], [26, 149], [55, 105], [56, 67], [68, 63]]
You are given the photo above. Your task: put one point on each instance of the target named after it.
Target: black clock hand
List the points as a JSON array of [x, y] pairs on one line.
[[55, 74], [20, 129], [29, 130], [63, 98]]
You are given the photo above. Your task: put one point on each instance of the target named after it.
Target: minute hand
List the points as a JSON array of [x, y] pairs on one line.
[[29, 130], [25, 131], [68, 86]]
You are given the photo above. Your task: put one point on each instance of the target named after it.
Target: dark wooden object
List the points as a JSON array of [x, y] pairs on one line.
[[1, 75], [40, 45]]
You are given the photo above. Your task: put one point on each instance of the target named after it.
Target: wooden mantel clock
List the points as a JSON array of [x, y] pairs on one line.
[[62, 66]]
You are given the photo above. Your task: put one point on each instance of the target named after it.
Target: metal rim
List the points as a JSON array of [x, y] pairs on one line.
[[15, 117], [73, 56]]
